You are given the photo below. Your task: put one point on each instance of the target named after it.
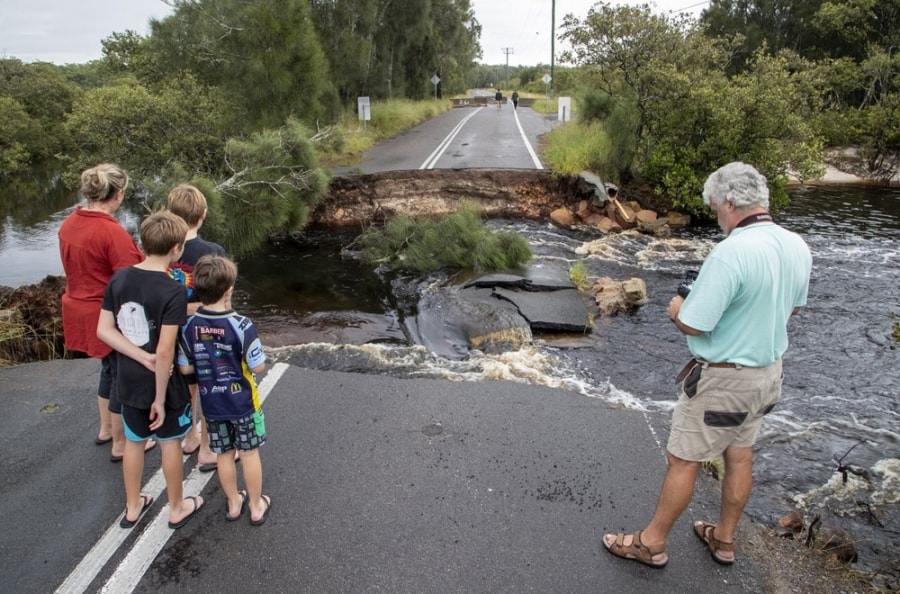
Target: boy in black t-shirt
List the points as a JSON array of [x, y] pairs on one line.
[[142, 312], [189, 203]]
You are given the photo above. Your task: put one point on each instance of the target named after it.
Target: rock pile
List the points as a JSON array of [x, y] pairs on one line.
[[606, 212]]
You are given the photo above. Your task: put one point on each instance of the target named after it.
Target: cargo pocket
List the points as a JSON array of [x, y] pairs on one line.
[[714, 418], [691, 381]]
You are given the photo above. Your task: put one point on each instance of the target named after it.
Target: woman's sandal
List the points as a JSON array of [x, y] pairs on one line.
[[637, 550], [707, 533]]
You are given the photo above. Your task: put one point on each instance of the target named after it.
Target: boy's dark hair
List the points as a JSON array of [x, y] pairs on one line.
[[187, 202], [162, 231], [213, 276]]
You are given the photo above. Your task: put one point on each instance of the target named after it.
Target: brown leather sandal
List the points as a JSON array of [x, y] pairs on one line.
[[707, 533], [637, 550]]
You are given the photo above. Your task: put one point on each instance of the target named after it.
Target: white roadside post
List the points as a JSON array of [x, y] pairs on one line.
[[564, 112], [364, 110]]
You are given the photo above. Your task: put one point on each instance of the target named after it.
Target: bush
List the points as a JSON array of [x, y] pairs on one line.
[[460, 240]]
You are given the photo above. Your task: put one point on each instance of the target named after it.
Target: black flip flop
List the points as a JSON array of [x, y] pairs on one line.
[[187, 518], [262, 519], [126, 523], [99, 441], [244, 499]]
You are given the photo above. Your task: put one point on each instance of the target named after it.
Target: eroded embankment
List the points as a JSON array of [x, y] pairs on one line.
[[501, 193]]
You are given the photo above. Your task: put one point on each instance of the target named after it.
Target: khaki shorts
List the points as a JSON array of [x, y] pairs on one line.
[[721, 407]]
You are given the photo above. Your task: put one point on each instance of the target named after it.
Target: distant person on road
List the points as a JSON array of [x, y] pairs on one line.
[[498, 97], [224, 350], [92, 246], [735, 318], [142, 314], [515, 99], [189, 203]]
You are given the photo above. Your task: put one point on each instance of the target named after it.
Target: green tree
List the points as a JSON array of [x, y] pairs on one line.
[[274, 184], [264, 55], [145, 131], [687, 116], [774, 24], [46, 96], [17, 129], [392, 48]]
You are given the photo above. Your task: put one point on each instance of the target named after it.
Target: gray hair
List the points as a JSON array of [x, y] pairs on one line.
[[738, 183]]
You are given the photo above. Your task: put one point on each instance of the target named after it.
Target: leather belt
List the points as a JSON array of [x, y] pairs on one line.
[[708, 364], [694, 362]]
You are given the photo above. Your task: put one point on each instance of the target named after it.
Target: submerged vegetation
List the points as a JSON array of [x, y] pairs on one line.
[[460, 240]]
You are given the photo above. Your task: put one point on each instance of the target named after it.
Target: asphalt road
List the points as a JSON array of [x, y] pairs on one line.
[[461, 138], [378, 485]]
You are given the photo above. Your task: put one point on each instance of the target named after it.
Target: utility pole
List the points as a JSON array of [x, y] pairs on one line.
[[552, 43], [508, 51]]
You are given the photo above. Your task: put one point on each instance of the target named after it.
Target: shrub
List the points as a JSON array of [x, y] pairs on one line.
[[460, 240]]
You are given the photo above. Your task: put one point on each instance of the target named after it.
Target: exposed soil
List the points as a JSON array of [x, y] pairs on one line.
[[787, 566]]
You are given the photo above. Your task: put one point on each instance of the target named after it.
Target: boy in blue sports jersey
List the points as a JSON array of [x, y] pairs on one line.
[[223, 349]]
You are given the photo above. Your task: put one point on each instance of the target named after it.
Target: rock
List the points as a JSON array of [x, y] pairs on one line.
[[562, 217], [646, 216], [677, 219], [791, 525], [839, 542], [607, 225], [614, 296]]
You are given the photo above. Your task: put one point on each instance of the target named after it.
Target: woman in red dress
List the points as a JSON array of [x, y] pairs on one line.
[[93, 245]]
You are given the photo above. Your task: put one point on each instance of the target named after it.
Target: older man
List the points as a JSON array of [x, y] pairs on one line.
[[735, 319]]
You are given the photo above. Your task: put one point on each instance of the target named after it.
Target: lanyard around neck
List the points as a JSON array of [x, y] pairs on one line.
[[755, 218]]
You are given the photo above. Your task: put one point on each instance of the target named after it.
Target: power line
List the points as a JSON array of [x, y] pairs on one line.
[[691, 6]]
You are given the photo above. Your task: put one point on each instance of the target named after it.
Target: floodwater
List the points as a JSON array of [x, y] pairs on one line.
[[319, 307]]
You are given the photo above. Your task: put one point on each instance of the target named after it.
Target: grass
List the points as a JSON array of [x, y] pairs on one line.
[[578, 276], [388, 118], [574, 147], [20, 342]]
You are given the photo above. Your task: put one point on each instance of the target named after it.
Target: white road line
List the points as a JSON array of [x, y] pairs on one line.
[[432, 159], [129, 573], [534, 157]]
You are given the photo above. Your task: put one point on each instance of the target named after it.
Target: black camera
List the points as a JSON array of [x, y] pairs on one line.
[[684, 288]]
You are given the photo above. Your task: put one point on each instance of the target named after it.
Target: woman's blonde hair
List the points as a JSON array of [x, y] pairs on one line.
[[100, 183]]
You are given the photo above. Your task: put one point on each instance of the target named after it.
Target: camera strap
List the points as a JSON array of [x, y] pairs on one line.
[[755, 218]]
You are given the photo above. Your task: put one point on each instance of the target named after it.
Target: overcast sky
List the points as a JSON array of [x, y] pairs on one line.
[[70, 31]]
